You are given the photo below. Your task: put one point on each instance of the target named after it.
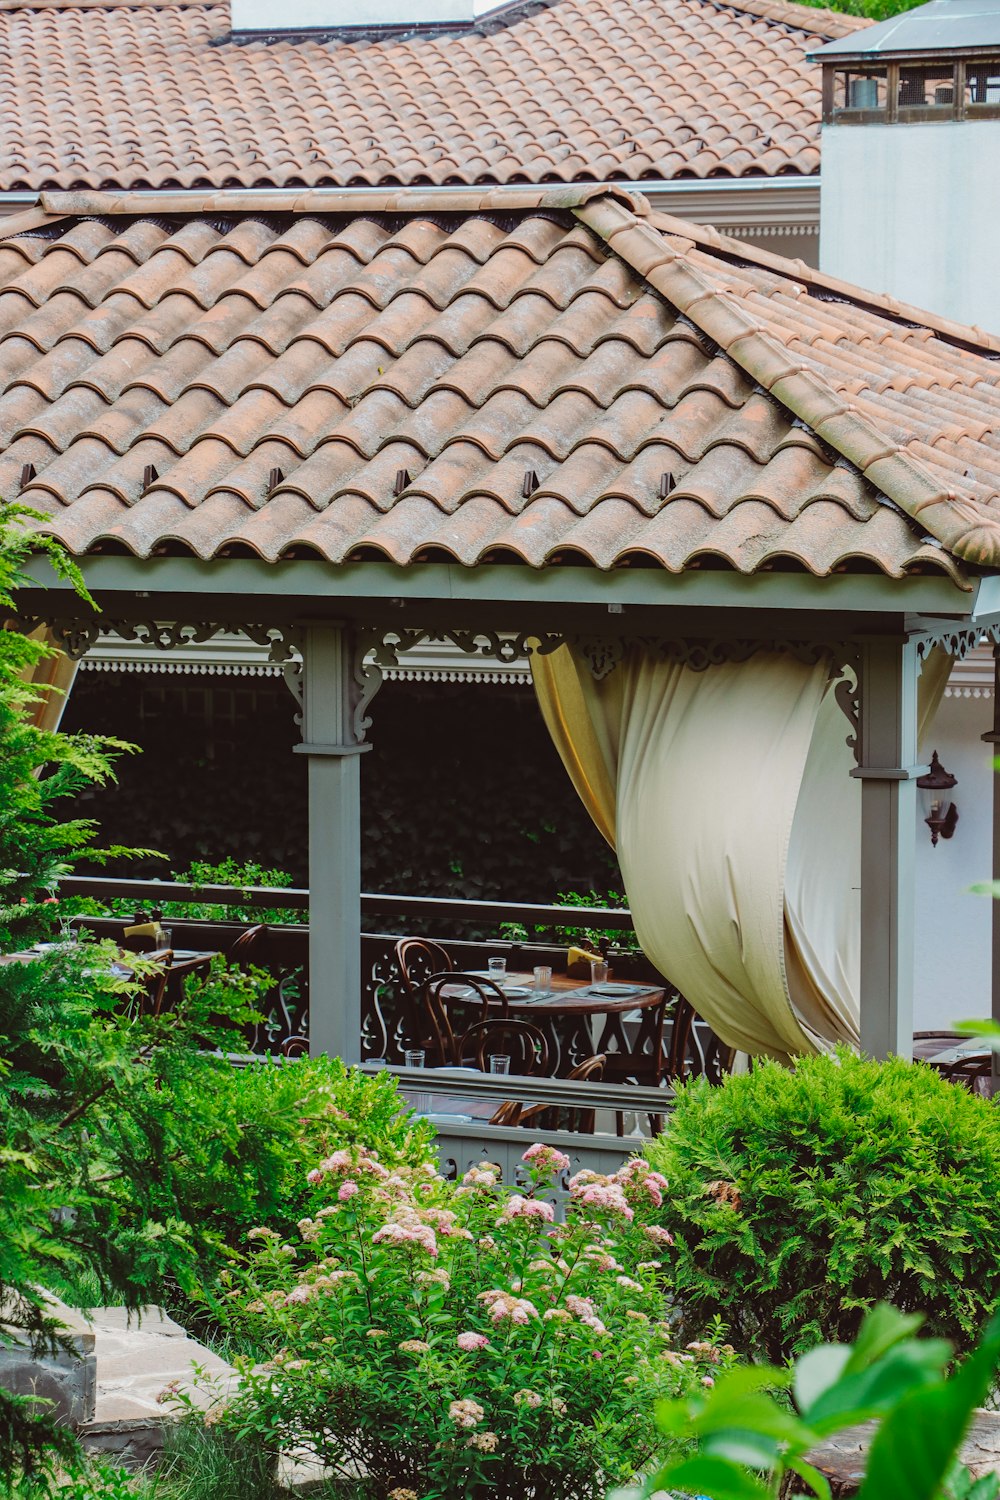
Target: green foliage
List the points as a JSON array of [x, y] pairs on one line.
[[269, 1118], [872, 10], [450, 1341], [799, 1199], [94, 1163], [517, 829], [226, 872], [603, 938], [749, 1443]]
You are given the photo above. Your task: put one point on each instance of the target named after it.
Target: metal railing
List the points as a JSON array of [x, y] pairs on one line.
[[463, 1140]]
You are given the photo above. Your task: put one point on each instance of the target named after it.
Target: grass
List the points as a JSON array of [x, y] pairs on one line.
[[199, 1463]]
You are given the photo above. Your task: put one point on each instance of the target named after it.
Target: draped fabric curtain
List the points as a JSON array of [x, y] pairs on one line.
[[728, 798], [53, 676]]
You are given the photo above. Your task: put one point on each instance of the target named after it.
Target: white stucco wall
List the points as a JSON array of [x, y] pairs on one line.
[[952, 969], [914, 210]]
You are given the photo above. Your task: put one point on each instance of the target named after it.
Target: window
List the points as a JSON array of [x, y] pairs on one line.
[[982, 87], [926, 92], [905, 91], [859, 95]]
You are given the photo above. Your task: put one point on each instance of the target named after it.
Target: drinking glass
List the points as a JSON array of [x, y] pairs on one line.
[[499, 1063], [165, 939], [543, 980], [415, 1058], [498, 970], [599, 972]]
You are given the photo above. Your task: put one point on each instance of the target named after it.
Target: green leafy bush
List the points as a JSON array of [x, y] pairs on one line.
[[450, 1340], [799, 1199], [272, 1116], [749, 1446]]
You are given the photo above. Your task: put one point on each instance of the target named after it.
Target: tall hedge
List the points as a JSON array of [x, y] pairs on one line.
[[798, 1199]]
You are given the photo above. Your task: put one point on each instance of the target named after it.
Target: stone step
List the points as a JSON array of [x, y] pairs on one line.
[[141, 1360]]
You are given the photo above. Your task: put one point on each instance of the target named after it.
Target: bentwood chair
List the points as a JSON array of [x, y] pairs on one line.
[[242, 949], [562, 1116], [417, 959], [447, 1004], [523, 1043]]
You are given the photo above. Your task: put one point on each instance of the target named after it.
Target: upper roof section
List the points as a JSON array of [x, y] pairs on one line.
[[531, 377], [942, 26], [110, 94]]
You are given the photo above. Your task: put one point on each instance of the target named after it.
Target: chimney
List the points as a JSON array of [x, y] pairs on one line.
[[910, 193], [259, 18]]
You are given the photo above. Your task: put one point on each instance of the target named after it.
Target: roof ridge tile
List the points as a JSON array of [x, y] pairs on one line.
[[967, 528]]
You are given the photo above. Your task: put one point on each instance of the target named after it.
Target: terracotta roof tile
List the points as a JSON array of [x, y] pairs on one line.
[[107, 94], [603, 401]]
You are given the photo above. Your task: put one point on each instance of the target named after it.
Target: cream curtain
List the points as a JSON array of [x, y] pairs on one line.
[[53, 676], [728, 797]]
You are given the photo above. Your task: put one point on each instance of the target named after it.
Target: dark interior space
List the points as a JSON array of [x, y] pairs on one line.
[[463, 794]]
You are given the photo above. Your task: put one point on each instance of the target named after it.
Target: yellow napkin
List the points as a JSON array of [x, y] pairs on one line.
[[144, 929], [578, 963]]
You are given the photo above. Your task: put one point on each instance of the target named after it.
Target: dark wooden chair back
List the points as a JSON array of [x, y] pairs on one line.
[[577, 1118], [445, 1017], [241, 950], [419, 958], [509, 1037]]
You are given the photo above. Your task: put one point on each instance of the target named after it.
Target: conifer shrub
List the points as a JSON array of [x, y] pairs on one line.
[[801, 1198]]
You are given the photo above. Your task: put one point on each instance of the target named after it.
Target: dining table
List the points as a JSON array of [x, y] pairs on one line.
[[180, 962], [580, 1019]]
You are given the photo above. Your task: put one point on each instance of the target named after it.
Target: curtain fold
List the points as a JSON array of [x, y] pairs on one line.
[[694, 778], [728, 798], [934, 674], [53, 676]]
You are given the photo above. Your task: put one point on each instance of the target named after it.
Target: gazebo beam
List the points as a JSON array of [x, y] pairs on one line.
[[888, 772]]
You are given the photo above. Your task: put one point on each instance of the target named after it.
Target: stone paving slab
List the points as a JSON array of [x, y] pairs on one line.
[[842, 1458], [141, 1359]]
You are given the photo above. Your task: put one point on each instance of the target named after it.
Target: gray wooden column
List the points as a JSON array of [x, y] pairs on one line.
[[888, 771], [992, 737], [333, 742]]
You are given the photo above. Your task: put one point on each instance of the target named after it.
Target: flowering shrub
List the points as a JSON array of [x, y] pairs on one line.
[[448, 1341]]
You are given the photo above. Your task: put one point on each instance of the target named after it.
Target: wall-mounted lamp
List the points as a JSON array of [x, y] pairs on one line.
[[936, 789]]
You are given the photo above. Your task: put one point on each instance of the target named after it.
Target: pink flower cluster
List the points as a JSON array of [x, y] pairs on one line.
[[583, 1308], [485, 1175], [503, 1306], [657, 1235], [407, 1228], [635, 1181], [445, 1221], [639, 1175], [471, 1342], [606, 1196], [466, 1413], [346, 1162], [517, 1207], [546, 1158]]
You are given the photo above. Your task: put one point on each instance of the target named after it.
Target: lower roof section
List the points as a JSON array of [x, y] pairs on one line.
[[552, 380]]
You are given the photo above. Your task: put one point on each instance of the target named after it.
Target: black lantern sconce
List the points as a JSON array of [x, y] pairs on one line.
[[936, 789]]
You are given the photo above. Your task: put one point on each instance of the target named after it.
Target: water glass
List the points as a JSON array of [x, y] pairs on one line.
[[165, 939], [415, 1058], [498, 970], [543, 980], [499, 1063], [599, 972]]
